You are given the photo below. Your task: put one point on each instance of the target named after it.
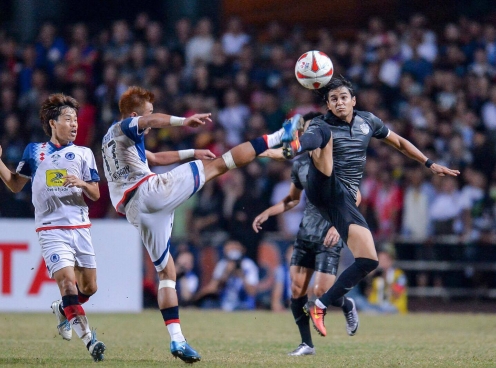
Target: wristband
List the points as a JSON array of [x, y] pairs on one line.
[[184, 154], [176, 121], [428, 163]]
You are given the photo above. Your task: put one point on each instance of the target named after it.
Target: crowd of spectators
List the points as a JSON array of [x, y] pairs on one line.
[[433, 84]]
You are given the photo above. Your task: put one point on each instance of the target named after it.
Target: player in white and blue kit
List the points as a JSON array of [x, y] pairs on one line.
[[61, 173], [148, 200]]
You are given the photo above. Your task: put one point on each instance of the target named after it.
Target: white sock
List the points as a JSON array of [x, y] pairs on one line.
[[274, 139], [82, 328], [175, 332], [319, 304]]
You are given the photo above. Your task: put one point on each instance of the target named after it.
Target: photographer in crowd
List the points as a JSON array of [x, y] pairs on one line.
[[234, 281]]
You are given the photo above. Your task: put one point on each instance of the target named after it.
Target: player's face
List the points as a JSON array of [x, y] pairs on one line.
[[64, 129], [341, 103], [148, 109]]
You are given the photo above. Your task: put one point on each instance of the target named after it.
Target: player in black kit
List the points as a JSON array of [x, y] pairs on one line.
[[337, 143], [317, 248]]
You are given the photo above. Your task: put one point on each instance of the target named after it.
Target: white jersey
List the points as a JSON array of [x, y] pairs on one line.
[[56, 206], [125, 164]]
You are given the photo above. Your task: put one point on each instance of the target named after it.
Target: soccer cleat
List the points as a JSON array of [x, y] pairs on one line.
[[183, 351], [291, 129], [96, 348], [352, 321], [317, 316], [302, 349], [64, 326]]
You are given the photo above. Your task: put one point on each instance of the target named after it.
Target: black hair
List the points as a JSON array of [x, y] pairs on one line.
[[335, 83], [310, 115]]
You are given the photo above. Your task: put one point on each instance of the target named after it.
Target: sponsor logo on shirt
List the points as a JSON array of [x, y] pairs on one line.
[[55, 177]]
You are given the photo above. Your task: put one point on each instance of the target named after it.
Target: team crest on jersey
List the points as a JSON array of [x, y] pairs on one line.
[[364, 128], [70, 156], [54, 258], [55, 177]]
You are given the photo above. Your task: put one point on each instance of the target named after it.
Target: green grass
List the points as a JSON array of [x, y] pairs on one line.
[[256, 339]]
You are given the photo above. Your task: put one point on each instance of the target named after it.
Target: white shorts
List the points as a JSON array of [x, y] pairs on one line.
[[66, 248], [151, 209]]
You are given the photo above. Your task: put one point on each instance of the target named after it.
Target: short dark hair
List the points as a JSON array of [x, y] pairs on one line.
[[310, 115], [52, 108], [336, 83]]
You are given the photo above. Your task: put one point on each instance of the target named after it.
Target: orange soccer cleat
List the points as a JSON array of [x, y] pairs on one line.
[[317, 316]]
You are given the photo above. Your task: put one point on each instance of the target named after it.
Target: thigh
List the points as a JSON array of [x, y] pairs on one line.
[[155, 230], [56, 249], [83, 247], [361, 243], [171, 189]]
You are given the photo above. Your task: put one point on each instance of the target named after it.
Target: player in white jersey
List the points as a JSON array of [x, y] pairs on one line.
[[148, 201], [60, 173]]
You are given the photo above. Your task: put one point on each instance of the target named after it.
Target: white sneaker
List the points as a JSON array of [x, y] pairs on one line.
[[96, 348], [64, 326], [302, 349], [352, 321]]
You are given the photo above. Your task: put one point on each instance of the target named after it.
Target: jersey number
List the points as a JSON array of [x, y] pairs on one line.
[[114, 162]]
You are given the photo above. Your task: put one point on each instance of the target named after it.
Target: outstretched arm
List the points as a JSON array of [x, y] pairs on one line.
[[14, 181], [164, 120], [290, 201], [172, 157], [409, 150]]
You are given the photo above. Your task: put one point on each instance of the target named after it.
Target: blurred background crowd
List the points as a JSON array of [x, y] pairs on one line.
[[433, 83]]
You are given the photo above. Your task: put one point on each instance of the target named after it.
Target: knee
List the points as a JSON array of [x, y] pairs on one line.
[[366, 264], [318, 290], [67, 286], [297, 290], [88, 289], [165, 275]]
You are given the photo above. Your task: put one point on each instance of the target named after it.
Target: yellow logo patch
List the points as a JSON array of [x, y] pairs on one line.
[[55, 177]]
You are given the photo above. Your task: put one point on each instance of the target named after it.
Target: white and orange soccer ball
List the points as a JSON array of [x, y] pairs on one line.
[[314, 69]]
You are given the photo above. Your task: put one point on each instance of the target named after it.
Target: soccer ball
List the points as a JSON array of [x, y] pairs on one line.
[[314, 69]]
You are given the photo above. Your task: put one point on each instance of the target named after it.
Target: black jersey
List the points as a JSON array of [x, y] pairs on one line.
[[313, 227], [350, 142]]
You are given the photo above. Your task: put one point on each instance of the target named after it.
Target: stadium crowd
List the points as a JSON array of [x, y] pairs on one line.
[[433, 84]]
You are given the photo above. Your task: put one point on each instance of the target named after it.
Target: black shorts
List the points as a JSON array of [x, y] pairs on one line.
[[333, 200], [316, 256]]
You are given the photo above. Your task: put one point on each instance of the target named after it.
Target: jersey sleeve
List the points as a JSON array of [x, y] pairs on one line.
[[25, 168], [130, 128], [89, 169], [380, 130], [294, 176]]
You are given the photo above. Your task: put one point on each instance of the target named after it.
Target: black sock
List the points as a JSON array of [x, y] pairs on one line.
[[301, 319], [349, 279], [344, 303]]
